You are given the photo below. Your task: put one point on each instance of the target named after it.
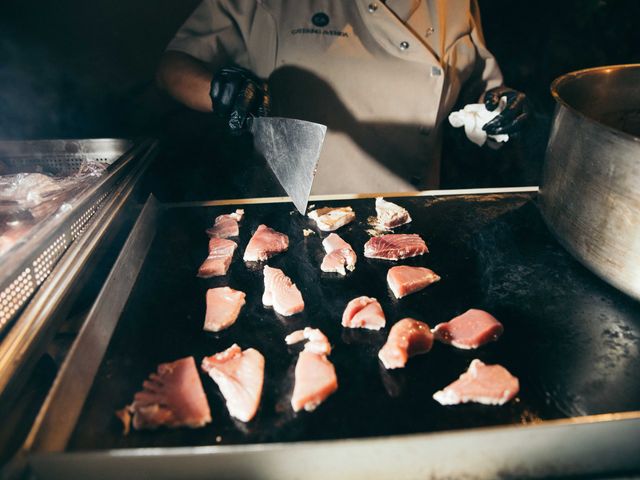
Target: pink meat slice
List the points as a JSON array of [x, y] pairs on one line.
[[363, 312], [339, 255], [404, 280], [395, 246], [172, 397], [223, 307], [281, 293], [239, 375], [470, 330], [407, 338], [226, 225], [264, 244], [391, 215], [317, 341], [220, 255], [486, 384]]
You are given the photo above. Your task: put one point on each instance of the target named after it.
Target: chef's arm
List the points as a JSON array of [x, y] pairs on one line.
[[186, 79]]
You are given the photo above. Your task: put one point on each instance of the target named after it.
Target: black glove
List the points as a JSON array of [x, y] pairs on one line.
[[236, 95], [513, 117]]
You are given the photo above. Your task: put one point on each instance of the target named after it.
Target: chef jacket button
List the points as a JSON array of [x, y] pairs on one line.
[[373, 7], [404, 45], [436, 71], [430, 31]]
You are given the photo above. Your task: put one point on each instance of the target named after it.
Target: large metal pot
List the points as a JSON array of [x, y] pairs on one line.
[[590, 193]]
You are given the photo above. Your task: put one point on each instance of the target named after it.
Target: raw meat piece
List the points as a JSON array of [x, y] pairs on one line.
[[470, 330], [172, 397], [265, 243], [404, 280], [281, 293], [220, 255], [486, 384], [339, 255], [223, 307], [395, 246], [317, 341], [363, 312], [407, 338], [315, 375], [391, 215], [226, 225], [240, 376], [329, 219]]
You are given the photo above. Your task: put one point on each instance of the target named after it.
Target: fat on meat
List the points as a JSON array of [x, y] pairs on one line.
[[329, 219], [363, 312], [481, 383], [470, 330], [315, 375], [404, 280], [281, 293], [407, 338], [226, 226], [223, 307], [395, 246], [217, 263], [239, 375], [391, 215], [171, 397], [264, 244], [340, 256]]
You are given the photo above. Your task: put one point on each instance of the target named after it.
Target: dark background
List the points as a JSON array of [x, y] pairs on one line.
[[74, 68]]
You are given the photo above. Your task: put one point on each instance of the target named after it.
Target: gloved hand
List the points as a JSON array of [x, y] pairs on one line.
[[236, 95], [514, 114]]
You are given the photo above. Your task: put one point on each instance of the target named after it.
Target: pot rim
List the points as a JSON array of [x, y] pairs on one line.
[[587, 71]]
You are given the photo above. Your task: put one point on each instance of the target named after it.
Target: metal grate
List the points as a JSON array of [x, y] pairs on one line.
[[15, 295], [46, 260]]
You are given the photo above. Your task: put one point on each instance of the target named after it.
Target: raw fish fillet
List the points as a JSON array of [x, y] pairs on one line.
[[339, 255], [223, 307], [226, 225], [281, 293], [317, 341], [315, 375], [391, 215], [220, 255], [363, 312], [395, 246], [470, 330], [486, 384], [329, 219], [404, 280], [240, 376], [172, 397], [265, 243], [407, 338]]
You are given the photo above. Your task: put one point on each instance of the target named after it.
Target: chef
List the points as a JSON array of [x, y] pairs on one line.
[[382, 75]]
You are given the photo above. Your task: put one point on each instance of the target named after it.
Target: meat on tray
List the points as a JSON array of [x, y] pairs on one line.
[[470, 330], [395, 246], [404, 280], [339, 255], [226, 226], [363, 312], [407, 338], [391, 215], [264, 244], [172, 397], [315, 375], [281, 293], [220, 255], [486, 384], [239, 375], [223, 307], [330, 219]]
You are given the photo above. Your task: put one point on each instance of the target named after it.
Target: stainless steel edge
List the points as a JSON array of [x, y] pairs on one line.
[[595, 446], [59, 413], [17, 348]]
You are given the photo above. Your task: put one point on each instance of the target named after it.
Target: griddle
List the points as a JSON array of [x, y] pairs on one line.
[[571, 339]]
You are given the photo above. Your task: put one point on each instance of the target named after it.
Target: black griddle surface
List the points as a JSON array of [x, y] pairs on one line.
[[571, 339]]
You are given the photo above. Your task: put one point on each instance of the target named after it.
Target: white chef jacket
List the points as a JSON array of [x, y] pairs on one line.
[[381, 75]]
